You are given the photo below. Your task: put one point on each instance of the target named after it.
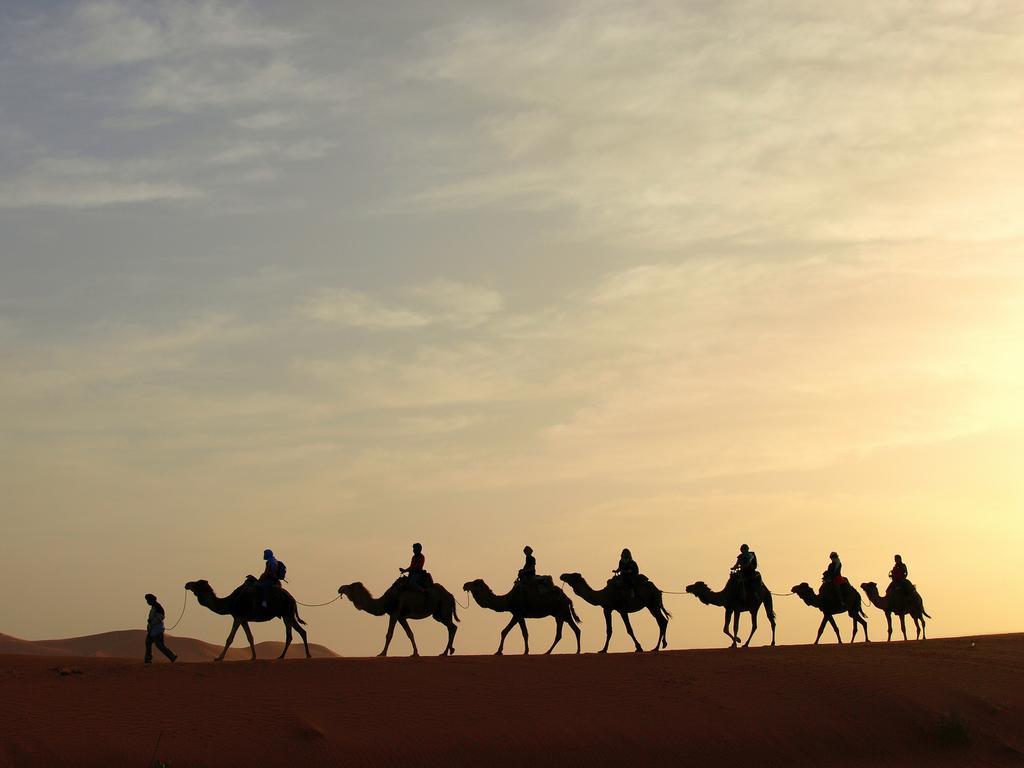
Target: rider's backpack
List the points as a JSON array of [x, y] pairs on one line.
[[282, 570]]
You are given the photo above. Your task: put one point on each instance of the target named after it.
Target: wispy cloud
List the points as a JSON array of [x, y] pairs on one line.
[[664, 124], [439, 302], [88, 183]]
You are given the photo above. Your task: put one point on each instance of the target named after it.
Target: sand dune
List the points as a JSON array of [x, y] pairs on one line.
[[957, 702], [130, 644]]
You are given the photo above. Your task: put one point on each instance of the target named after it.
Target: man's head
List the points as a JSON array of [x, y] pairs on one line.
[[527, 550], [627, 554], [833, 555], [417, 548], [267, 554], [898, 559], [744, 548], [150, 598]]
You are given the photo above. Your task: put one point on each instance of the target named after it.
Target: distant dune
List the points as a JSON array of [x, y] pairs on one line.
[[131, 644], [951, 702]]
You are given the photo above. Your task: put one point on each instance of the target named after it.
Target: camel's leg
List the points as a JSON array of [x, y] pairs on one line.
[[771, 620], [248, 636], [821, 628], [607, 629], [832, 621], [575, 628], [888, 623], [922, 632], [662, 626], [736, 626], [392, 620], [526, 637], [903, 625], [231, 639], [725, 628], [501, 645], [452, 629], [629, 630], [558, 635], [865, 623], [753, 625], [302, 633], [408, 630], [287, 637]]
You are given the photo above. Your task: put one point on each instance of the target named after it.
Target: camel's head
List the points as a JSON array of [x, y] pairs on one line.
[[571, 578], [469, 586], [803, 588], [199, 587], [869, 587], [696, 588], [346, 590]]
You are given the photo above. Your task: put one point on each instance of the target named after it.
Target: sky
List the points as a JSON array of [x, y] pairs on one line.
[[332, 278]]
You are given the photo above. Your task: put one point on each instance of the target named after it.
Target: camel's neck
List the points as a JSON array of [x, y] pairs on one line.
[[364, 601], [811, 599], [220, 605], [712, 598], [876, 599], [486, 598], [584, 590]]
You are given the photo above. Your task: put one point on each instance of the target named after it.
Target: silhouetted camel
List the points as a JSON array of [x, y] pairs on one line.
[[401, 604], [616, 598], [901, 604], [245, 605], [829, 607], [524, 605], [732, 599]]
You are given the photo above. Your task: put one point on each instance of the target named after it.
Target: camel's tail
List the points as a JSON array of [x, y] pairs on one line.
[[664, 612], [296, 615], [455, 604], [572, 610]]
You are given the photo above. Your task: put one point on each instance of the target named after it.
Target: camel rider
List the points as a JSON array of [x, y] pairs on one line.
[[628, 572], [415, 571], [745, 569], [833, 579], [268, 579], [898, 574], [528, 573]]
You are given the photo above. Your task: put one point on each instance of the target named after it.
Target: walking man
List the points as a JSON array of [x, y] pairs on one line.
[[155, 631]]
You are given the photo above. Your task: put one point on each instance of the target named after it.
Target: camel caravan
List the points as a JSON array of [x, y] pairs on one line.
[[415, 595]]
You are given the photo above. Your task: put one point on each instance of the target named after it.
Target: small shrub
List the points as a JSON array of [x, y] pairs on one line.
[[952, 729]]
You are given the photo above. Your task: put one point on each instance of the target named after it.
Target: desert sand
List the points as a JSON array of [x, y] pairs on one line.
[[130, 644], [950, 702]]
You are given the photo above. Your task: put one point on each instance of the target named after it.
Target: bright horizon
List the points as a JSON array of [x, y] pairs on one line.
[[336, 278]]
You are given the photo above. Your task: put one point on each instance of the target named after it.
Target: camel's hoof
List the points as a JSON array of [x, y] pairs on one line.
[[218, 658], [381, 654], [309, 656], [413, 654], [603, 650], [638, 649], [498, 653]]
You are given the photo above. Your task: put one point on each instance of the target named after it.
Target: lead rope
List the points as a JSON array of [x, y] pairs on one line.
[[319, 605], [183, 605], [464, 607]]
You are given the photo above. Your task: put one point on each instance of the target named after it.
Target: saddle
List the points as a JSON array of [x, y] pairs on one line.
[[538, 584]]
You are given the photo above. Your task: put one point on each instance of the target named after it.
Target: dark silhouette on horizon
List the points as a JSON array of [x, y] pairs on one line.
[[623, 597], [901, 602], [736, 600], [826, 602], [401, 602], [155, 631], [527, 603], [252, 602]]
